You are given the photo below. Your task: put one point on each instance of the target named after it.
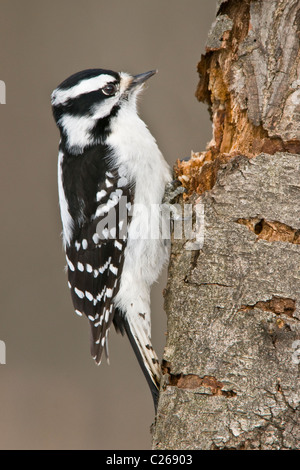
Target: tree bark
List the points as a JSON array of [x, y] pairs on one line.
[[231, 361]]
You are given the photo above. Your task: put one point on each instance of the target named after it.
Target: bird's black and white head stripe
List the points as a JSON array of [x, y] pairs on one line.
[[84, 104], [109, 161]]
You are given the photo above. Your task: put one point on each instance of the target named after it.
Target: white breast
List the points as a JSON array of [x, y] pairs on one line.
[[137, 157]]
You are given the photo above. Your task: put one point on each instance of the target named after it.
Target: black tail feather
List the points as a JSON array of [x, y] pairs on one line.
[[154, 387]]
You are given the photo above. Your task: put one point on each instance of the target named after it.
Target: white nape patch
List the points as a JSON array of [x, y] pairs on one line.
[[78, 130], [84, 244], [61, 96], [100, 195], [67, 221], [79, 293], [80, 266]]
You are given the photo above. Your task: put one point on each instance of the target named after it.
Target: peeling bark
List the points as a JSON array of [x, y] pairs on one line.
[[272, 231], [230, 373], [249, 77]]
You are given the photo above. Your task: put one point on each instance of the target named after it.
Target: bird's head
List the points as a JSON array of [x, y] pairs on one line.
[[84, 103]]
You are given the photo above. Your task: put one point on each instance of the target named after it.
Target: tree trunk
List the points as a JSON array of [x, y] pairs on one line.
[[231, 362]]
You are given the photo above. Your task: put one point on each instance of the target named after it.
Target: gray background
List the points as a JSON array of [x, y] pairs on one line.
[[52, 396]]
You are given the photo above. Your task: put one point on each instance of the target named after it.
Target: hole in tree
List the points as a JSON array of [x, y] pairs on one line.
[[259, 226]]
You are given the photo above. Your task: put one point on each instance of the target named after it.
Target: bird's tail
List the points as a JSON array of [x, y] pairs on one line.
[[146, 356]]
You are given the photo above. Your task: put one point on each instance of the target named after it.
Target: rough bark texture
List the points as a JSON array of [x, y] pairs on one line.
[[231, 378]]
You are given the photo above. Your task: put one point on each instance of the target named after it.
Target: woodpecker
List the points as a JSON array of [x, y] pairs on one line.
[[111, 182]]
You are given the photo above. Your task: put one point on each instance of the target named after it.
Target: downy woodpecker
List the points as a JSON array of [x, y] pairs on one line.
[[111, 181]]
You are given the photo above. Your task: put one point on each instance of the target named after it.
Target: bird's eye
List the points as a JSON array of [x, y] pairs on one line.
[[109, 89]]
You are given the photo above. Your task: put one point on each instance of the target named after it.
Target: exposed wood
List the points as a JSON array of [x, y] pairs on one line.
[[249, 77]]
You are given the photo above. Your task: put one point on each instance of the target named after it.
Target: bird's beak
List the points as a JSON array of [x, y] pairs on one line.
[[141, 78]]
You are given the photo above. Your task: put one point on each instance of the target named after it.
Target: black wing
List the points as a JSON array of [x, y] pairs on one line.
[[95, 260]]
